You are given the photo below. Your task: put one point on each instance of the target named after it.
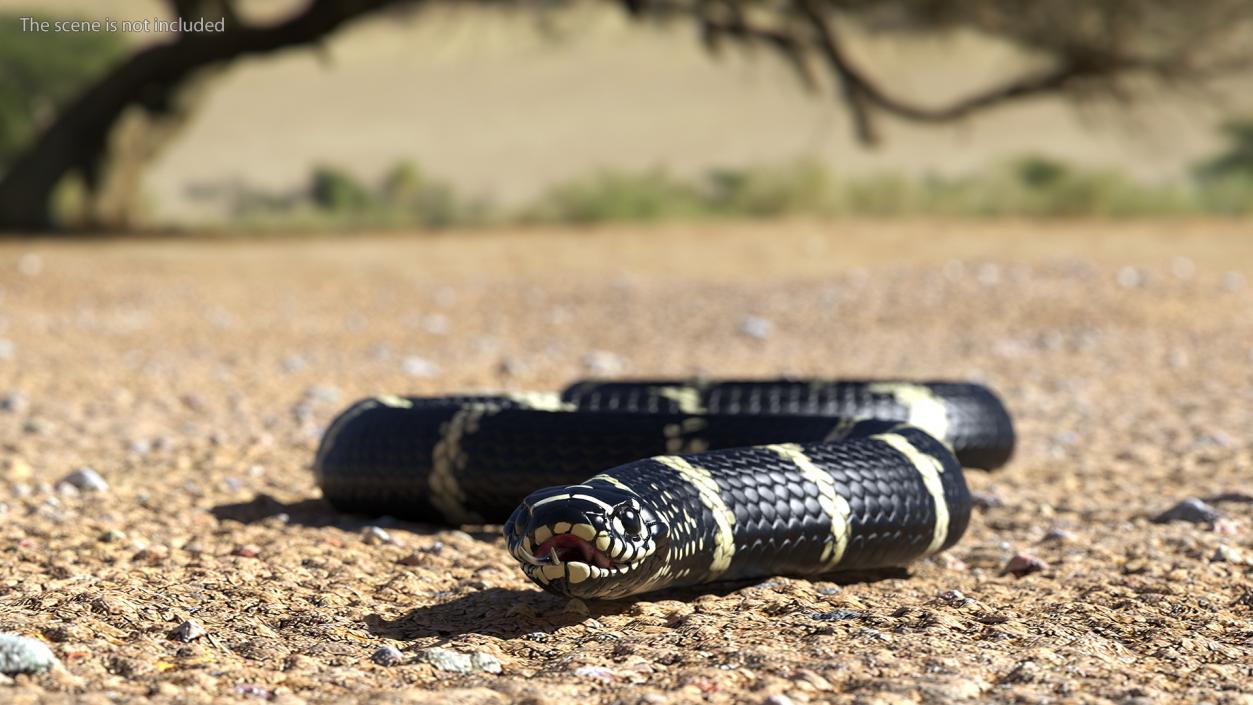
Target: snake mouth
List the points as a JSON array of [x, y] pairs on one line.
[[568, 548]]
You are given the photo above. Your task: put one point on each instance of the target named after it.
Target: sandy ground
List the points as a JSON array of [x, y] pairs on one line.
[[195, 378]]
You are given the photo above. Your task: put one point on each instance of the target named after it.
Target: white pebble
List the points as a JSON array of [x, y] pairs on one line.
[[602, 362], [84, 478], [756, 327], [20, 654], [419, 367]]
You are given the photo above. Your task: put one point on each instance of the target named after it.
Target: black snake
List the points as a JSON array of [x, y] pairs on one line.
[[742, 479]]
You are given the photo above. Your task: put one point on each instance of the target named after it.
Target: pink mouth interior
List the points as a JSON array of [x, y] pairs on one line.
[[568, 547]]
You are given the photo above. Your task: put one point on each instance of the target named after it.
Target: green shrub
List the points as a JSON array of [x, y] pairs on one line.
[[801, 187], [617, 196], [41, 71], [1237, 159], [336, 191]]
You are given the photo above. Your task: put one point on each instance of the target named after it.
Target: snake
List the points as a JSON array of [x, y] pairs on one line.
[[609, 489]]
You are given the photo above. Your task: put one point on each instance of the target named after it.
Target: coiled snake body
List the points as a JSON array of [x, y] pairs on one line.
[[742, 479]]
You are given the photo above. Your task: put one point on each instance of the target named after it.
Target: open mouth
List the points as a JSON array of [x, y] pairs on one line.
[[568, 548]]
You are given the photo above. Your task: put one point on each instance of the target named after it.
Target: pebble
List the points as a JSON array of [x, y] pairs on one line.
[[247, 551], [603, 362], [836, 615], [322, 393], [1231, 554], [1130, 277], [983, 500], [254, 690], [387, 656], [84, 478], [20, 654], [419, 367], [14, 402], [374, 535], [1058, 535], [756, 327], [953, 596], [1025, 564], [189, 631], [595, 672], [15, 469], [459, 662], [1192, 510], [777, 699]]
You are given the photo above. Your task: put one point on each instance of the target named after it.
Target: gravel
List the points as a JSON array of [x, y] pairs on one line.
[[1111, 434], [1191, 510]]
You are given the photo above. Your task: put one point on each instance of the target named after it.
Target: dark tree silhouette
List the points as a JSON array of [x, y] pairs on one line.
[[1086, 49]]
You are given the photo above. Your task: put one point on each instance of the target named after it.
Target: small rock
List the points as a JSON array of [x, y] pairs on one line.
[[111, 536], [1130, 277], [387, 656], [836, 615], [602, 362], [577, 606], [254, 690], [13, 403], [983, 500], [1025, 564], [85, 479], [1232, 554], [20, 654], [458, 662], [1191, 510], [1058, 535], [756, 327], [322, 393], [188, 631], [595, 672], [374, 535], [293, 364], [954, 597], [777, 699], [419, 367], [247, 551], [15, 469]]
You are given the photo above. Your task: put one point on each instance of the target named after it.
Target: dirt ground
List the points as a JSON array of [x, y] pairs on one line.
[[195, 378]]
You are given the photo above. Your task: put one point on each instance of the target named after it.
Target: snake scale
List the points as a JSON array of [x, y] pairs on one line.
[[610, 489]]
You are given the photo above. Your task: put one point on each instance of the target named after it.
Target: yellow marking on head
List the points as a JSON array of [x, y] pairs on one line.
[[562, 527], [578, 572], [587, 532], [930, 468], [724, 518], [542, 534], [613, 481], [926, 410], [833, 504], [552, 571]]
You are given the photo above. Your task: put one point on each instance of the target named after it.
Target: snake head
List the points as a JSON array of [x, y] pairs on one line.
[[588, 541]]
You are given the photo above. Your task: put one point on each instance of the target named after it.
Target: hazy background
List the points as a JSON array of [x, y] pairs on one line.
[[501, 105]]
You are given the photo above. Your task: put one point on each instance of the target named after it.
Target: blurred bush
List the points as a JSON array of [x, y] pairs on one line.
[[649, 195], [1031, 186], [40, 71], [335, 198]]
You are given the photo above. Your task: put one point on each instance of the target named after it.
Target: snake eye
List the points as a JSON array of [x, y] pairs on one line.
[[630, 520]]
